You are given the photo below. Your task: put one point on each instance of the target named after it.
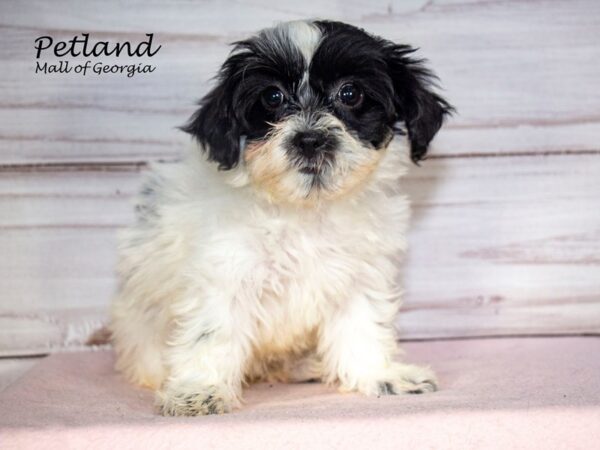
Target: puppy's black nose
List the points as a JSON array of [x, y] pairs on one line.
[[309, 142]]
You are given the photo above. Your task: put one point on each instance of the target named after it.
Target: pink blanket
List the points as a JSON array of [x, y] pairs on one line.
[[495, 393]]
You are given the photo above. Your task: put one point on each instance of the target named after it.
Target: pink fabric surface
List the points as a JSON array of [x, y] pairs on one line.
[[494, 393]]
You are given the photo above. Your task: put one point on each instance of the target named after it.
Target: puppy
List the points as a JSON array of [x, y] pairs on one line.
[[272, 254]]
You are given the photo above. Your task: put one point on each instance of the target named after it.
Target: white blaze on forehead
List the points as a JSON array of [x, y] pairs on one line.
[[305, 35]]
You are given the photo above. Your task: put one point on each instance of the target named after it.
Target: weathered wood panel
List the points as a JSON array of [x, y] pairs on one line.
[[504, 246], [505, 239], [498, 246], [523, 75]]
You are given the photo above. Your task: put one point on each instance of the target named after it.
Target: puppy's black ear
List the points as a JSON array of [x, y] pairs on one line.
[[215, 125], [416, 103]]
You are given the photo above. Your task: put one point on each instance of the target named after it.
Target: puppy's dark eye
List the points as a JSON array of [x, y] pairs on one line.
[[272, 98], [350, 95]]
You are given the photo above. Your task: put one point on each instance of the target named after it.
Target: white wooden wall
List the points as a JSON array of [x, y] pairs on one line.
[[506, 229]]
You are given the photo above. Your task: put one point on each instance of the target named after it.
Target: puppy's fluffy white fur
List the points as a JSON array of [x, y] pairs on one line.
[[251, 274]]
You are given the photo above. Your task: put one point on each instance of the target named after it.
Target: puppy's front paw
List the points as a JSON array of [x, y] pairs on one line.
[[192, 400], [407, 379]]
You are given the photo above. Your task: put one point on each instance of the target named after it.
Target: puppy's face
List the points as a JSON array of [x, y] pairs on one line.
[[309, 108]]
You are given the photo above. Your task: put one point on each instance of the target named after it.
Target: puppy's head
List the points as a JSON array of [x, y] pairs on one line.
[[309, 108]]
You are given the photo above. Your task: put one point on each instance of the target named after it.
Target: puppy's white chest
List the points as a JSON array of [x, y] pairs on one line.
[[308, 269]]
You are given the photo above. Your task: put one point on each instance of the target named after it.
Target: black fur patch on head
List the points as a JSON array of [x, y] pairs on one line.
[[398, 86], [233, 109], [347, 54]]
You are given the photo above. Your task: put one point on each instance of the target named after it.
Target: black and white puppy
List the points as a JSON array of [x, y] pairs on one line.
[[272, 254]]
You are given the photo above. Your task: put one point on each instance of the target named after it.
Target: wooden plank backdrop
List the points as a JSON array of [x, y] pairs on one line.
[[506, 229]]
